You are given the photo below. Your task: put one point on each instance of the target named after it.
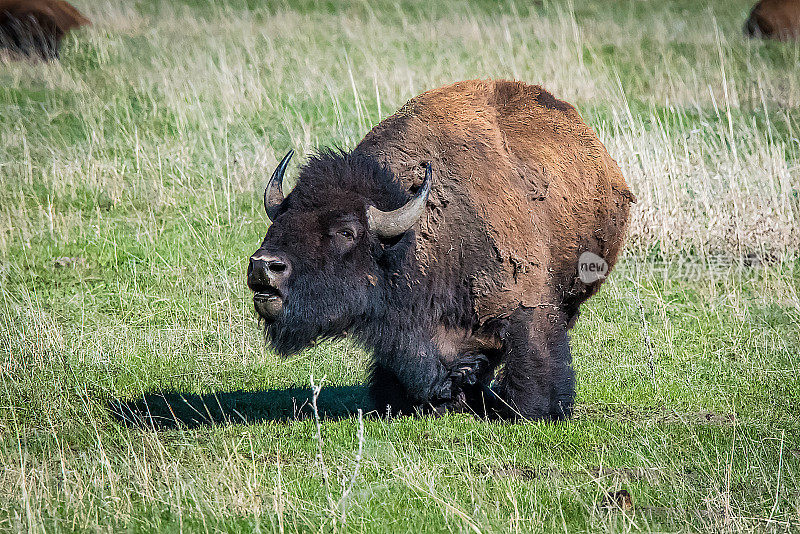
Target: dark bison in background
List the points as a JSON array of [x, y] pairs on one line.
[[447, 243], [774, 19], [36, 27]]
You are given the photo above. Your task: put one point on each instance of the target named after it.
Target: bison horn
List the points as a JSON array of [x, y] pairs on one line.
[[273, 194], [393, 223]]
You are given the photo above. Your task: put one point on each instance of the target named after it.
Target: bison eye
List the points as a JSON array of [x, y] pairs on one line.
[[343, 236]]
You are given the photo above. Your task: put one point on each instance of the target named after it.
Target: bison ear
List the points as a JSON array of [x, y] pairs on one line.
[[388, 224], [273, 194]]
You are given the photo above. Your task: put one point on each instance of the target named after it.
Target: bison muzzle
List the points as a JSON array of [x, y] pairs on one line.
[[447, 244]]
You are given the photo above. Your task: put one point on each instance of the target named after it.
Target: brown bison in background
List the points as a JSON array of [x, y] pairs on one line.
[[36, 27], [448, 244], [774, 19]]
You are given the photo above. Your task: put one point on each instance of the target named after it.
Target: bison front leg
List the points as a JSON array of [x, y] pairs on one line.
[[388, 394], [410, 384], [538, 381]]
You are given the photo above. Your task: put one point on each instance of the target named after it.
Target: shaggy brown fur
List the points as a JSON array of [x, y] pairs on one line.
[[523, 187], [774, 19], [37, 26]]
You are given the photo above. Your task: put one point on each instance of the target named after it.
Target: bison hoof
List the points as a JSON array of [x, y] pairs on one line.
[[469, 370]]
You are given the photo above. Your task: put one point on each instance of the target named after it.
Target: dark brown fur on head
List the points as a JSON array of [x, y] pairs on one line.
[[36, 27]]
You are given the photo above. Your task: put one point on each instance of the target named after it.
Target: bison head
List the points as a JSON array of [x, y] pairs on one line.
[[333, 241]]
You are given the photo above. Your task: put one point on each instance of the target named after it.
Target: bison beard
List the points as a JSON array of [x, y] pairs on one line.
[[463, 291], [321, 306]]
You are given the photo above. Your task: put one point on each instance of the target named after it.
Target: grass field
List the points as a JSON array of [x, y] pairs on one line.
[[131, 176]]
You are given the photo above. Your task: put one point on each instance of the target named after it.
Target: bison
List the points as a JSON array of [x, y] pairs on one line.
[[36, 27], [774, 19], [447, 243]]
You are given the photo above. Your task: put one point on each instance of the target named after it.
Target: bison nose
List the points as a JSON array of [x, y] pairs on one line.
[[267, 271]]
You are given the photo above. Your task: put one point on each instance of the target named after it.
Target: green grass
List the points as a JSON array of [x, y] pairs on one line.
[[130, 183]]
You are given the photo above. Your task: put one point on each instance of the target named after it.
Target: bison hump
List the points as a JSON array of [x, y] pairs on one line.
[[521, 187]]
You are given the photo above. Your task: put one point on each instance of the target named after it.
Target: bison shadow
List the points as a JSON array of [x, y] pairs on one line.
[[168, 410]]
